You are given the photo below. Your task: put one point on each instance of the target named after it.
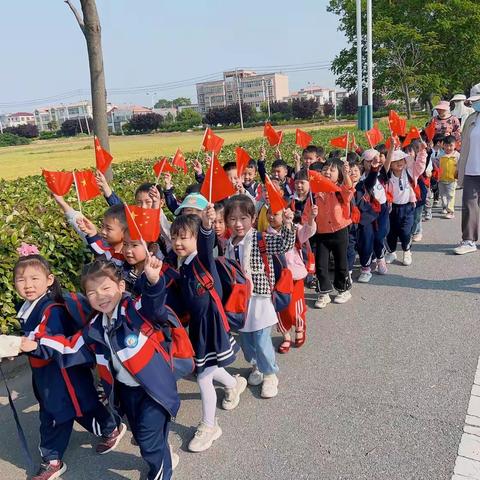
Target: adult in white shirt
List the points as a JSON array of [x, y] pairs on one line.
[[460, 110], [469, 176]]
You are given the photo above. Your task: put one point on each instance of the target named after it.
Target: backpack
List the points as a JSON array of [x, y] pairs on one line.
[[236, 289], [283, 288], [171, 338]]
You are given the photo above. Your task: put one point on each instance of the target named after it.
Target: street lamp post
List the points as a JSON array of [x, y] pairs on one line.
[[369, 67]]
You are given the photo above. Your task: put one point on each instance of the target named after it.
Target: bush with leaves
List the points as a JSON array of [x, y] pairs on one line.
[[10, 139], [144, 123], [27, 130], [29, 214], [75, 126]]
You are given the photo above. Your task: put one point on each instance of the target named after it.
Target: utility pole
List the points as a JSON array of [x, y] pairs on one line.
[[369, 67], [335, 104], [239, 97], [361, 113]]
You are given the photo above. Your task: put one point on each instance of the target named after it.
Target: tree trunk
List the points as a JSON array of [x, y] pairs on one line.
[[90, 26], [406, 96]]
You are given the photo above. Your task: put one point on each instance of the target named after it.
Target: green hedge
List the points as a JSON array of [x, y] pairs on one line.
[[29, 214]]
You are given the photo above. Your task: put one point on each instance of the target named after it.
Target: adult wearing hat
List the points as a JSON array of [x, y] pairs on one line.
[[469, 176], [445, 122], [460, 110]]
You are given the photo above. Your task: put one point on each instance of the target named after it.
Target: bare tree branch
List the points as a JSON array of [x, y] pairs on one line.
[[77, 15]]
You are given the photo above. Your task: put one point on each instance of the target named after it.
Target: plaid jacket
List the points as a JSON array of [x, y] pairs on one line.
[[252, 260]]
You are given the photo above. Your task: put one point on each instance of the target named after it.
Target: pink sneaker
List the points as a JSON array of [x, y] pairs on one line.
[[382, 266]]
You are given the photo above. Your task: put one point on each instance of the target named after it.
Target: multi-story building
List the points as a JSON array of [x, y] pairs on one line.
[[119, 114], [18, 118], [46, 117], [241, 85]]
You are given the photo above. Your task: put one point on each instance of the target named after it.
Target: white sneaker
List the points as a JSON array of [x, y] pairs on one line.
[[449, 215], [270, 386], [467, 246], [343, 297], [323, 300], [417, 237], [407, 258], [390, 257], [232, 395], [204, 437], [256, 377], [382, 267], [365, 275]]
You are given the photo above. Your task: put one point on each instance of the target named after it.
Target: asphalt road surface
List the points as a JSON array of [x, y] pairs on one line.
[[379, 391]]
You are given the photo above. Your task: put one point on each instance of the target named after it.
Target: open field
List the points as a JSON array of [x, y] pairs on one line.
[[69, 153]]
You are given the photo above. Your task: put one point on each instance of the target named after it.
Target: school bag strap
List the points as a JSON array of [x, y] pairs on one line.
[[206, 281]]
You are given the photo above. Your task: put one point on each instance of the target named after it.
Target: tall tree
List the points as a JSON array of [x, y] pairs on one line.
[[89, 24], [420, 48]]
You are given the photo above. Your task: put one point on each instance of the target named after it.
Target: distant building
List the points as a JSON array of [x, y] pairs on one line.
[[164, 111], [45, 117], [322, 95], [119, 114], [246, 85], [18, 118], [194, 106]]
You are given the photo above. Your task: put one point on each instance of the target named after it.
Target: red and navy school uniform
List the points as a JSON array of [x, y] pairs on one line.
[[208, 329], [101, 247], [133, 339], [372, 201], [64, 394], [253, 189]]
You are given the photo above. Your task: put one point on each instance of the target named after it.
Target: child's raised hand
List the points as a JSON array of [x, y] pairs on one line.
[[313, 213], [263, 153], [345, 169], [152, 268], [197, 166], [298, 159], [86, 226], [239, 186], [208, 216], [392, 143], [28, 345], [288, 217], [167, 177], [154, 194], [102, 183], [277, 153]]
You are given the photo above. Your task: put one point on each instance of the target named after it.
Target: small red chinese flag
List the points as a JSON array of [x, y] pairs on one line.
[[339, 142], [103, 159], [179, 161], [221, 185], [430, 130], [163, 166], [397, 124], [302, 139], [396, 142], [87, 187], [275, 197], [320, 183], [411, 135], [374, 136], [143, 223], [273, 136], [242, 158], [212, 142], [58, 183]]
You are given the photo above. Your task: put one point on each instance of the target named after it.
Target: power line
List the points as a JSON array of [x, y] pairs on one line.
[[173, 85]]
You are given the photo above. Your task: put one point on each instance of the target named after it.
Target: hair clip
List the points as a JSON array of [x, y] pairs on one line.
[[25, 250]]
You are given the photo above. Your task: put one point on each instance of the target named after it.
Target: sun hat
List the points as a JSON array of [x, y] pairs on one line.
[[458, 97], [399, 155], [193, 200], [474, 93], [370, 154], [443, 105]]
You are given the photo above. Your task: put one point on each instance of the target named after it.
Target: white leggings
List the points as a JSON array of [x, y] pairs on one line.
[[208, 393]]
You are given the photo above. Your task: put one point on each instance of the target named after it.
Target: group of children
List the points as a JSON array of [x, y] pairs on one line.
[[136, 293]]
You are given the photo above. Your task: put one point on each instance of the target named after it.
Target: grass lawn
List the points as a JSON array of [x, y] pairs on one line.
[[70, 153]]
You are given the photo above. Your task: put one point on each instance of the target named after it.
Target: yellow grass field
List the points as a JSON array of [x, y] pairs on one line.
[[69, 153]]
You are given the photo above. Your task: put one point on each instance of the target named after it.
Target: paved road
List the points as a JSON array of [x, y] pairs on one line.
[[379, 391]]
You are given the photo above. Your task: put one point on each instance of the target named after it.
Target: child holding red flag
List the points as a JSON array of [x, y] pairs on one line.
[[333, 220], [193, 241], [403, 170], [244, 247], [294, 316]]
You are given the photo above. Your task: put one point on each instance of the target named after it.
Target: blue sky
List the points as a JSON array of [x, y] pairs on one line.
[[151, 42]]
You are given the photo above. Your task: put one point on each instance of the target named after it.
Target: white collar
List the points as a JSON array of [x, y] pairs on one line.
[[27, 308], [187, 260], [110, 321]]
